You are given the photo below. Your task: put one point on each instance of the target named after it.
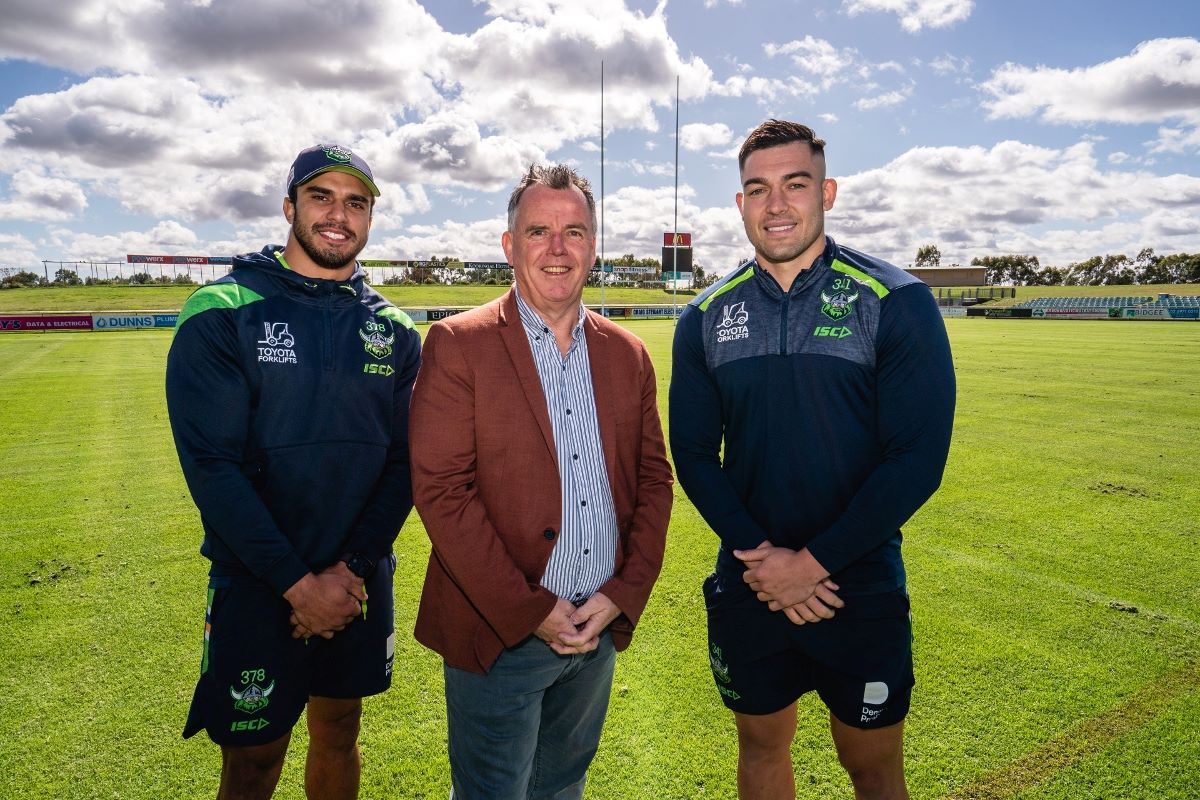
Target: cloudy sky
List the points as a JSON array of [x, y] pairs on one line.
[[1057, 129]]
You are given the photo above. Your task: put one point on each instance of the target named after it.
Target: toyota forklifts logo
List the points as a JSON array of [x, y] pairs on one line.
[[733, 323], [276, 345]]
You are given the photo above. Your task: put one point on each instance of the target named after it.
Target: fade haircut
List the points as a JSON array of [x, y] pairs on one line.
[[776, 132], [559, 176]]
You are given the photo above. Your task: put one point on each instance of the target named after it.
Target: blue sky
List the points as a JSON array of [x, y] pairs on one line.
[[1061, 130]]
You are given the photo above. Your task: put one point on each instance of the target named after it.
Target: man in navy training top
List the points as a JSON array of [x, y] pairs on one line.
[[825, 374], [288, 384]]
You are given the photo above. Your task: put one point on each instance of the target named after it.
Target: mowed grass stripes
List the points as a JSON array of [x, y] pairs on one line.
[[1055, 584]]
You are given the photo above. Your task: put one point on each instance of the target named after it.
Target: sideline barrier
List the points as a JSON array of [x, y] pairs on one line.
[[1069, 313], [121, 321], [46, 322]]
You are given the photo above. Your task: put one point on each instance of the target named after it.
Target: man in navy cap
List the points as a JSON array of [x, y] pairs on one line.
[[288, 384]]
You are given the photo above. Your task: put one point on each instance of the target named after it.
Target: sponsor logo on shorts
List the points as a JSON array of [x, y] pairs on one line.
[[720, 671], [733, 323], [253, 697], [248, 725], [391, 654], [875, 693]]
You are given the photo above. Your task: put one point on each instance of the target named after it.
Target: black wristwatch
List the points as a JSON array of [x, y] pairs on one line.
[[359, 564]]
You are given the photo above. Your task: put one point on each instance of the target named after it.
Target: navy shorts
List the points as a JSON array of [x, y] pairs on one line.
[[255, 679], [860, 662]]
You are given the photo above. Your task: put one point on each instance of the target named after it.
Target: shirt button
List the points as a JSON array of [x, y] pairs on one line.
[[585, 552], [583, 502], [575, 456], [548, 533], [568, 412]]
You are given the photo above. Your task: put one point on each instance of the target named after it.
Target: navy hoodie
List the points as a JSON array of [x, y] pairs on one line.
[[816, 417], [288, 398]]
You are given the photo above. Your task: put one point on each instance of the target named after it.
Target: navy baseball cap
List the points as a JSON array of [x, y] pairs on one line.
[[314, 160]]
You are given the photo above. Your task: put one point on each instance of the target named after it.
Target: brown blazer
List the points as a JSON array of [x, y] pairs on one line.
[[486, 483]]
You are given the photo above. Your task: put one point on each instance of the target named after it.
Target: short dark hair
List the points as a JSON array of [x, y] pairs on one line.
[[776, 132], [558, 176]]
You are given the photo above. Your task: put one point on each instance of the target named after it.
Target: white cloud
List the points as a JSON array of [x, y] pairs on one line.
[[970, 200], [916, 14], [885, 100], [473, 241], [950, 65], [1175, 140], [818, 58], [187, 132], [166, 237], [17, 252], [828, 66], [38, 197], [702, 136], [1157, 82]]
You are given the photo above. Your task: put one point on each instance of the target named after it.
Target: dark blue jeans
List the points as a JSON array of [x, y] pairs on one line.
[[529, 728]]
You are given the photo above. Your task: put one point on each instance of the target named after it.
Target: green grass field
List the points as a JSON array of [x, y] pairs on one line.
[[1055, 581]]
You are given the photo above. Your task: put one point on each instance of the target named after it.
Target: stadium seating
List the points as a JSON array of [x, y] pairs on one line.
[[1098, 303]]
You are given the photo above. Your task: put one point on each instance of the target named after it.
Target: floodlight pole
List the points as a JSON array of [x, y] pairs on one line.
[[675, 223], [602, 281]]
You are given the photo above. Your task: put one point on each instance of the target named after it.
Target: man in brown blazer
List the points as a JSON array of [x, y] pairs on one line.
[[540, 472]]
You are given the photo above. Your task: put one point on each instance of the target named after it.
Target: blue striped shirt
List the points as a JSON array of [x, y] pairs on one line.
[[584, 556]]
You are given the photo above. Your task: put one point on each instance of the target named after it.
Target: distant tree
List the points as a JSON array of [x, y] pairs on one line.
[[66, 277], [1178, 268], [14, 278], [1108, 270], [1053, 276], [1012, 269], [928, 256], [139, 278], [1174, 268], [702, 279]]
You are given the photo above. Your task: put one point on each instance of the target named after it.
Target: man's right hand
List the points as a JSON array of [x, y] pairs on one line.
[[324, 604]]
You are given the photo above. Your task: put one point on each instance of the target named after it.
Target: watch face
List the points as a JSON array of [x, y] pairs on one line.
[[359, 565]]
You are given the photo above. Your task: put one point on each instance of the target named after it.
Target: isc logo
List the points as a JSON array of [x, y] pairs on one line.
[[836, 331], [248, 725], [379, 369]]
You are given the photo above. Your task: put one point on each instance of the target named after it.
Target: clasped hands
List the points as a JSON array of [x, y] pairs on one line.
[[568, 630], [791, 581], [326, 602]]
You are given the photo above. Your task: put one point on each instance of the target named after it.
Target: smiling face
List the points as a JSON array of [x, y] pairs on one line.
[[552, 248], [783, 201], [330, 220]]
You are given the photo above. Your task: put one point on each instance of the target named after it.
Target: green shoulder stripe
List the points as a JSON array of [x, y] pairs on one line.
[[216, 295], [862, 277], [395, 315], [749, 273]]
